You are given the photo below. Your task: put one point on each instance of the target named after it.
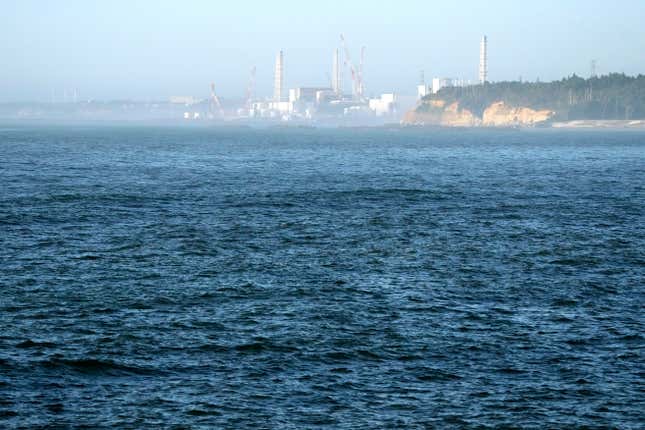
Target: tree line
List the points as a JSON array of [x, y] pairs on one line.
[[610, 97]]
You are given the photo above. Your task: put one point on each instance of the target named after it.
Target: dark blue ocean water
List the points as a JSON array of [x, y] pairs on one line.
[[160, 277]]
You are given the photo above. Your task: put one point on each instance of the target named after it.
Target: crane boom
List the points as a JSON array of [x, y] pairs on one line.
[[348, 61], [250, 89], [361, 85], [215, 101], [358, 86]]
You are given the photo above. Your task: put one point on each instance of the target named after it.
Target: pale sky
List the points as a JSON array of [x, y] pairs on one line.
[[152, 49]]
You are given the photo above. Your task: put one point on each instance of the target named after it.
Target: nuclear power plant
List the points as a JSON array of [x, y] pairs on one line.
[[324, 101], [331, 101]]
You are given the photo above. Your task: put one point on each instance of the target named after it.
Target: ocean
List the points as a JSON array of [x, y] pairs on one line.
[[196, 277]]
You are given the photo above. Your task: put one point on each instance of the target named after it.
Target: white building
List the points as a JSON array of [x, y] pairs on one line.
[[423, 90], [184, 100], [385, 105], [270, 109], [325, 96], [439, 83], [309, 94], [192, 115]]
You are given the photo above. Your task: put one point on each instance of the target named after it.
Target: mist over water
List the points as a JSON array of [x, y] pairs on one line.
[[237, 278]]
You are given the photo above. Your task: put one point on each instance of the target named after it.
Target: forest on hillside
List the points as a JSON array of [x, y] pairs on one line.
[[611, 97]]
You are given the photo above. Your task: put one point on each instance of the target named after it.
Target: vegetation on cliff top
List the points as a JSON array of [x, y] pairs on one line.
[[614, 96]]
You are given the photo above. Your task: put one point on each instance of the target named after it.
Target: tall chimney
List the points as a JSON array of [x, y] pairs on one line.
[[279, 77], [483, 61], [336, 80]]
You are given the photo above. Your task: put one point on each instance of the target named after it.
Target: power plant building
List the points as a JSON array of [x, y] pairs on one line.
[[307, 94], [383, 106], [321, 101], [423, 90], [439, 83]]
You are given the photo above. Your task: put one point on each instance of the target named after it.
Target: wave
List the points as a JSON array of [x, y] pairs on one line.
[[92, 366], [32, 344], [431, 374]]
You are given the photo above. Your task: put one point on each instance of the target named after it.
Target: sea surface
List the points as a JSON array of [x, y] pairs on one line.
[[195, 277]]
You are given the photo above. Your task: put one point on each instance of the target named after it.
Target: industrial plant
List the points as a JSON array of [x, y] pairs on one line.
[[327, 103], [343, 99], [304, 103]]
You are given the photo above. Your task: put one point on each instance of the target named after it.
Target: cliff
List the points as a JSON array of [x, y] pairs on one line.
[[498, 114], [502, 115], [438, 112]]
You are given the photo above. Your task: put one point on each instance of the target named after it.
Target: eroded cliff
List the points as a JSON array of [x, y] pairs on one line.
[[499, 114], [502, 115]]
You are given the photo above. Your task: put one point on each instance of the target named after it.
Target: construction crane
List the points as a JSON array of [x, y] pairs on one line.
[[214, 103], [361, 82], [356, 84], [250, 89]]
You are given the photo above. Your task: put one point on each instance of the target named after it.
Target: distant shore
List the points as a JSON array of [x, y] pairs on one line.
[[582, 125], [600, 124]]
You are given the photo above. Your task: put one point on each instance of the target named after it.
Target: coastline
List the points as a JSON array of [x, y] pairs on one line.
[[600, 124]]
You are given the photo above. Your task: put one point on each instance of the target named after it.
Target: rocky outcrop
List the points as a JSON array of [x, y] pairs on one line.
[[454, 116], [440, 113], [437, 113], [502, 115]]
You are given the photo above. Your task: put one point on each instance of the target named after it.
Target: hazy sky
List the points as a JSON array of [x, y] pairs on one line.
[[151, 49]]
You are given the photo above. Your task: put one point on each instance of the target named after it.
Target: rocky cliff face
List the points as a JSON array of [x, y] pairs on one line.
[[439, 113], [501, 115]]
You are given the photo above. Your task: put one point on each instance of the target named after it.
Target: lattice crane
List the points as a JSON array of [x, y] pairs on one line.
[[215, 103]]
